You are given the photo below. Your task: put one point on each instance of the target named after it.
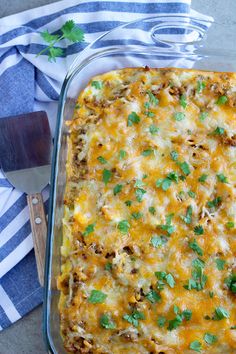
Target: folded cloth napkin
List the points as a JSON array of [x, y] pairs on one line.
[[28, 83]]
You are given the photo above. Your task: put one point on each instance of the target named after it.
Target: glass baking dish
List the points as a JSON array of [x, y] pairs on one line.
[[160, 41]]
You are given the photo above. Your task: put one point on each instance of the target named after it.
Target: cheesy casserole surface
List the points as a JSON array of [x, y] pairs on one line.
[[149, 228]]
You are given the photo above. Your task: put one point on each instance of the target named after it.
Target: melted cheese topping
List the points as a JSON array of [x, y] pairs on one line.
[[151, 177]]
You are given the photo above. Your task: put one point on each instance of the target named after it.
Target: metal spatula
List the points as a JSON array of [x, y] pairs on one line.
[[25, 158]]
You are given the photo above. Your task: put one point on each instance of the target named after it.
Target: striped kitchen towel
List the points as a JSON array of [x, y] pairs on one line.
[[28, 83]]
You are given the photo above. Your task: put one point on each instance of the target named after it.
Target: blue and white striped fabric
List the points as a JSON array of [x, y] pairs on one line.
[[28, 83]]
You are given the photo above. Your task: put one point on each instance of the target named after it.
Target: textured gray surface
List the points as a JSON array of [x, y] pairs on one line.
[[25, 337]]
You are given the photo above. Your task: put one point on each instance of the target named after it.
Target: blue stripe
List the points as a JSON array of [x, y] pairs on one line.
[[4, 320], [142, 8], [5, 183], [45, 86], [12, 212], [18, 237]]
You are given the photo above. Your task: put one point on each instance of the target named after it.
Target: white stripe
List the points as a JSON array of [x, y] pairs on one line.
[[8, 306], [1, 328], [16, 256], [11, 197]]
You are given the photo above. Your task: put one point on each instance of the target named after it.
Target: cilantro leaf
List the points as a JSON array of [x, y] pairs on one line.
[[222, 100], [102, 160], [184, 166], [200, 86], [196, 346], [210, 338], [137, 215], [72, 32], [178, 116], [164, 183], [139, 193], [218, 131], [128, 203], [147, 152], [176, 322], [198, 230], [158, 241], [230, 225], [183, 101], [139, 183], [220, 314], [231, 283], [134, 317], [152, 210], [221, 178], [108, 266], [97, 297], [220, 263], [203, 178], [188, 217], [133, 118], [170, 280], [173, 176], [89, 229], [191, 194], [49, 38], [97, 84], [54, 52], [106, 176], [123, 226], [122, 154], [117, 189], [153, 297], [153, 99], [106, 322], [174, 155], [215, 202], [153, 129], [203, 116], [161, 321], [195, 247], [187, 314]]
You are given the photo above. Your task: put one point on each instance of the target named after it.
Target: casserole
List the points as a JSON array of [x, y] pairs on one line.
[[160, 53]]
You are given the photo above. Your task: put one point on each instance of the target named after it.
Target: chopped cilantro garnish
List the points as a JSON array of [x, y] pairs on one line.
[[218, 131], [145, 176], [178, 116], [183, 101], [97, 297], [102, 160], [153, 100], [133, 118], [210, 338], [222, 100], [137, 215], [199, 278], [184, 166], [139, 193], [214, 203], [174, 155], [187, 315], [122, 154], [128, 203], [77, 106], [230, 225], [150, 114], [106, 322], [134, 318], [158, 241], [231, 283], [195, 247], [177, 321], [108, 266], [196, 346], [161, 321], [124, 226], [188, 217], [221, 178], [167, 277], [147, 152], [203, 178], [200, 86], [152, 210], [233, 327], [117, 189], [153, 129], [97, 84], [168, 227], [211, 294], [220, 313], [192, 194], [203, 116], [139, 183], [164, 183], [173, 176], [169, 218], [198, 263], [198, 230], [106, 176], [220, 263], [153, 297], [89, 229]]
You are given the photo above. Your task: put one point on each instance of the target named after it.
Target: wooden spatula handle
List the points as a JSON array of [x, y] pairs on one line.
[[39, 231]]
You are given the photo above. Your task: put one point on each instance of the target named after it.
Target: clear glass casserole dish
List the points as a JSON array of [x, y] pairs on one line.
[[160, 41]]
